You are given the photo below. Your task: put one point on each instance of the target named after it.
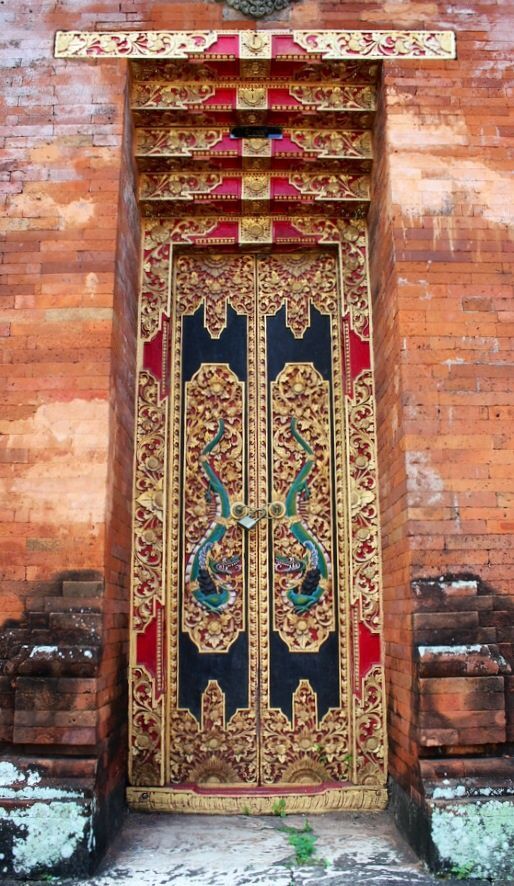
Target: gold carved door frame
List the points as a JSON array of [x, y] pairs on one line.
[[155, 613]]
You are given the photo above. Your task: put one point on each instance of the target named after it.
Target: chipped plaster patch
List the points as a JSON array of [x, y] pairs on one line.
[[32, 204], [404, 13], [476, 837], [423, 184], [424, 484], [46, 834], [61, 437]]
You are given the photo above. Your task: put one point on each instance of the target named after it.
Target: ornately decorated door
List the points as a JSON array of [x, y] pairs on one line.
[[258, 562], [256, 669]]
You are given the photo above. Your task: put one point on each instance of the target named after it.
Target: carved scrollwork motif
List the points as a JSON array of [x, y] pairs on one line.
[[146, 729], [298, 280], [335, 98], [332, 187], [338, 72], [215, 282], [377, 44], [213, 598], [154, 287], [213, 752], [337, 45], [170, 95], [355, 277], [332, 143], [306, 751], [176, 142], [369, 724], [302, 541], [364, 505], [133, 44], [149, 501], [178, 186]]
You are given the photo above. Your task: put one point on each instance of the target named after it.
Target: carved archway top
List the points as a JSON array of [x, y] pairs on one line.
[[290, 45]]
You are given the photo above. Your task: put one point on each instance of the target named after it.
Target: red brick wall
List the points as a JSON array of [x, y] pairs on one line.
[[440, 277]]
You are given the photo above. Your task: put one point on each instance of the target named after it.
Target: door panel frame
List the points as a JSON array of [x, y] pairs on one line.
[[148, 714]]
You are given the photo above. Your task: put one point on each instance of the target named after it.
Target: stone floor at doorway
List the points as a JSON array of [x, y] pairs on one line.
[[348, 848]]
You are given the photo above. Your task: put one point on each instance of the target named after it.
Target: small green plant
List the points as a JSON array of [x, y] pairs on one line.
[[303, 841], [463, 871], [279, 808], [246, 810]]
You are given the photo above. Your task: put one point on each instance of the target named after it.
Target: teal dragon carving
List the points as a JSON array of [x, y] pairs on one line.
[[212, 596], [304, 596]]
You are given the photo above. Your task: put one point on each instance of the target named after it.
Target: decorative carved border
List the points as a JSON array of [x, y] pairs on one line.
[[330, 45], [329, 800], [148, 738]]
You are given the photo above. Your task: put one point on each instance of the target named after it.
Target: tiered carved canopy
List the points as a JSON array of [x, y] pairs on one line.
[[307, 150]]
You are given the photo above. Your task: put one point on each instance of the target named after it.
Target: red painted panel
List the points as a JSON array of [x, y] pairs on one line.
[[156, 356], [369, 649], [284, 45], [225, 96], [150, 650], [360, 357], [225, 45]]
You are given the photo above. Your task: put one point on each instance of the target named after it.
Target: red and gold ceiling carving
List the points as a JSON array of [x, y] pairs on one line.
[[193, 162], [191, 88]]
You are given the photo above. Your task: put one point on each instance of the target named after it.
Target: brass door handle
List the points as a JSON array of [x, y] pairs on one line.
[[248, 517]]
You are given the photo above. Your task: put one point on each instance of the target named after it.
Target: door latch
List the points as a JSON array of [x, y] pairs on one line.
[[248, 517]]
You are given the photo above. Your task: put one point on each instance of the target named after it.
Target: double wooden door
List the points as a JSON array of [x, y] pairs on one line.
[[257, 576]]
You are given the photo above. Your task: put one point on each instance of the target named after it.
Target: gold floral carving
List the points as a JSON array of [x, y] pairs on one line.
[[298, 280], [170, 95], [145, 760], [255, 97], [306, 751], [255, 230], [364, 505], [132, 44], [215, 282], [164, 233], [257, 147], [328, 186], [177, 186], [377, 44], [339, 144], [176, 142], [214, 394], [353, 242], [213, 752], [178, 70], [328, 799], [256, 44], [340, 72], [255, 186], [147, 567], [300, 393], [154, 286], [335, 98], [371, 763], [352, 239]]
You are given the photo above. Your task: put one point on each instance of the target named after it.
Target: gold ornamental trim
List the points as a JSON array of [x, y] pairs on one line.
[[359, 799], [328, 45], [340, 45], [132, 44]]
